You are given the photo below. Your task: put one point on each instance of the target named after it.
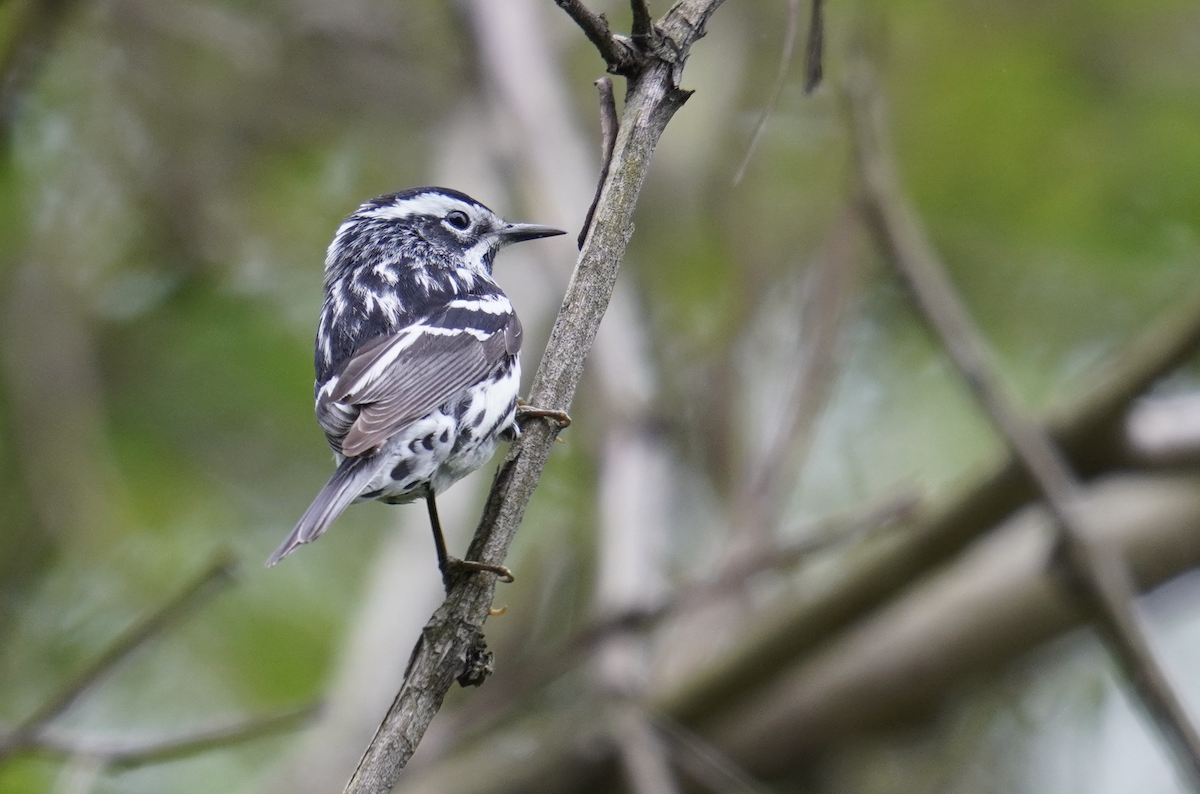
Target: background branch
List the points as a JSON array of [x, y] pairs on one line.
[[791, 31], [138, 752], [814, 48], [1090, 429], [1099, 574], [207, 584]]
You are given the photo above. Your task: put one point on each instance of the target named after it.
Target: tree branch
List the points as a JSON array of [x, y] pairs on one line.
[[642, 26], [826, 535], [608, 139], [645, 758], [785, 61], [960, 624], [218, 575], [451, 646], [708, 764], [621, 58], [815, 48], [1099, 574], [1089, 428], [139, 752]]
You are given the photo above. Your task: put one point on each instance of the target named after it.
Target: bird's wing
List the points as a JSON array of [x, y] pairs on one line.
[[396, 379]]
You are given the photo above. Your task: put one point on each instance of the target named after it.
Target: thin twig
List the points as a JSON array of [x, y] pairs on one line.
[[129, 753], [832, 533], [643, 25], [645, 757], [708, 764], [212, 580], [451, 645], [785, 61], [815, 47], [809, 379], [836, 532], [608, 139], [1089, 427], [1100, 575], [620, 58]]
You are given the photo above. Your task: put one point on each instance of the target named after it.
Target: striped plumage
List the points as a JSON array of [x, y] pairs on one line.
[[416, 355]]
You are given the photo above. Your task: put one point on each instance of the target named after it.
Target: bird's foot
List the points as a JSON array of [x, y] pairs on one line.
[[454, 567], [526, 411]]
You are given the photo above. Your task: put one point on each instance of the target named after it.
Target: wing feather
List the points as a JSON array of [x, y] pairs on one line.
[[395, 380]]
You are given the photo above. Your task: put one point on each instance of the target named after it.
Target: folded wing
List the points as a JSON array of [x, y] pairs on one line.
[[394, 380]]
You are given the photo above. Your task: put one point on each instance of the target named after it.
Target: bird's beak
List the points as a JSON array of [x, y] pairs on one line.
[[520, 232]]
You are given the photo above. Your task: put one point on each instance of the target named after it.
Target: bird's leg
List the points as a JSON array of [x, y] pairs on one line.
[[447, 564], [526, 411]]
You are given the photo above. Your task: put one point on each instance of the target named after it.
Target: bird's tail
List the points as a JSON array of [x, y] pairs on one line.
[[343, 487]]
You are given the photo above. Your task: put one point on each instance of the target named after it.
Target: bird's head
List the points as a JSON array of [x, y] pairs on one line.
[[430, 224]]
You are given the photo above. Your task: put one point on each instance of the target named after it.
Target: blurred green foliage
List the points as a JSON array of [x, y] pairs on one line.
[[174, 175]]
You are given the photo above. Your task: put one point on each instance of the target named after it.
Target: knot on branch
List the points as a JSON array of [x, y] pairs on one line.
[[478, 664]]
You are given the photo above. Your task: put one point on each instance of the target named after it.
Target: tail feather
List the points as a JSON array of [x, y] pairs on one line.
[[343, 487]]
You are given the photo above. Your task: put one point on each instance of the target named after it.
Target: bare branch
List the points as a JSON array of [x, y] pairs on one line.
[[644, 756], [643, 26], [1089, 428], [835, 532], [826, 535], [1099, 574], [139, 752], [814, 49], [608, 139], [211, 581], [785, 61], [451, 644], [707, 763], [957, 624], [620, 57]]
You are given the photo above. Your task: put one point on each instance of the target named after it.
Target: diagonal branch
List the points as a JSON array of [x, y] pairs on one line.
[[139, 752], [785, 61], [621, 57], [1089, 428], [608, 139], [814, 49], [644, 755], [451, 647], [708, 763], [1100, 576], [204, 586]]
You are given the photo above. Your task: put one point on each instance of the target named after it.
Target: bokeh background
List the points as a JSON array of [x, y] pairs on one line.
[[171, 173]]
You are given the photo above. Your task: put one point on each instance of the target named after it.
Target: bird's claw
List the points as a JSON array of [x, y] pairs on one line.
[[526, 411], [455, 566]]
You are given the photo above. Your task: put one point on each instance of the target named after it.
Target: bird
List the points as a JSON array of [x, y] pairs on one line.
[[417, 366]]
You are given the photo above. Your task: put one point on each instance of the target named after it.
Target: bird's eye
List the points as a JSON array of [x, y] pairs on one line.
[[458, 219]]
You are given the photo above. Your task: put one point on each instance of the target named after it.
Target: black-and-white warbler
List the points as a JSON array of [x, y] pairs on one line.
[[416, 359]]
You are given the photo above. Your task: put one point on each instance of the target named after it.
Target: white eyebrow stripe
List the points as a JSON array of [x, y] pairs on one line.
[[490, 304], [423, 204]]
